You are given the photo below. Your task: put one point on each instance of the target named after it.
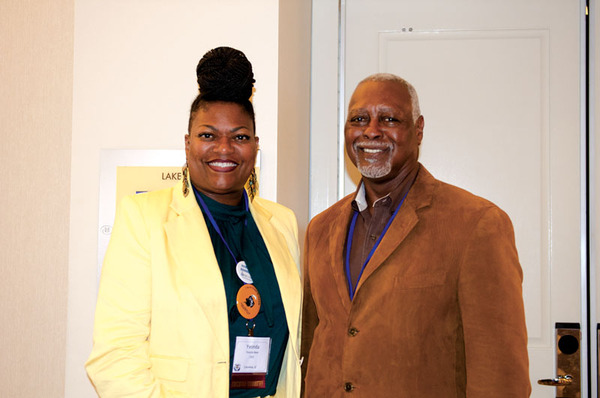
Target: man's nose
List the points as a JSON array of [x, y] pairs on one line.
[[372, 130]]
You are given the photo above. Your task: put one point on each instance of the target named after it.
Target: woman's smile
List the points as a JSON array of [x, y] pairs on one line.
[[222, 166]]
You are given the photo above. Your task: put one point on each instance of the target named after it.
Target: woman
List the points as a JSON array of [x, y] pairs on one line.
[[200, 290]]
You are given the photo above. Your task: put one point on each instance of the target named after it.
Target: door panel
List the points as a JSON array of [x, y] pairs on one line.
[[482, 136], [499, 87]]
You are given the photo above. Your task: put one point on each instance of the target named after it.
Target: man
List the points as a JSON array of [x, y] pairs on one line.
[[412, 286]]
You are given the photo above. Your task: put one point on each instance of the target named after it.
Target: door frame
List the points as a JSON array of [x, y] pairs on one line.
[[593, 194]]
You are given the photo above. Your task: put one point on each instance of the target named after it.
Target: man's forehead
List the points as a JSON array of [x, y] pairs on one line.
[[386, 93], [387, 86]]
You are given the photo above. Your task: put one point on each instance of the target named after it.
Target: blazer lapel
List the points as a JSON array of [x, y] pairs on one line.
[[419, 196], [337, 256], [285, 265], [190, 245]]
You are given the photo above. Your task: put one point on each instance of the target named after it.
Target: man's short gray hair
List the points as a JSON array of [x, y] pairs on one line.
[[389, 77]]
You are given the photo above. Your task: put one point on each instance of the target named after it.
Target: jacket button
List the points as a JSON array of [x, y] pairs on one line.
[[353, 332], [348, 387]]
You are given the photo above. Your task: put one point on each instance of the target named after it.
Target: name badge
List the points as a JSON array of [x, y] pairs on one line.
[[243, 273], [250, 362]]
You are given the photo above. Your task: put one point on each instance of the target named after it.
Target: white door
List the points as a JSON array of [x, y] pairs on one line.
[[500, 84]]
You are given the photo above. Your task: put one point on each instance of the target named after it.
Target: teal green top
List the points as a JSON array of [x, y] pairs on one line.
[[243, 237]]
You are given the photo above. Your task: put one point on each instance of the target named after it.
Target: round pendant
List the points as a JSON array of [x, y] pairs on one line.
[[242, 272], [248, 301]]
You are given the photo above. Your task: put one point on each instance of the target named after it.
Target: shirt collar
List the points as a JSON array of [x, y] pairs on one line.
[[360, 200]]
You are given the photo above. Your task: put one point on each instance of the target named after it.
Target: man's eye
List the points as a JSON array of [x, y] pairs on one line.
[[205, 136], [242, 137], [358, 119], [389, 119]]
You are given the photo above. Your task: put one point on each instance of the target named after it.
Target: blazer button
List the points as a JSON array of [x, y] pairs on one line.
[[348, 387], [353, 332]]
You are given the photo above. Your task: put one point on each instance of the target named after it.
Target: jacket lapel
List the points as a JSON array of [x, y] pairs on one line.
[[419, 196], [285, 265], [190, 245], [337, 244]]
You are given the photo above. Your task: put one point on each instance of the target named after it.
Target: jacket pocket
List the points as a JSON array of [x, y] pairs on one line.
[[170, 368]]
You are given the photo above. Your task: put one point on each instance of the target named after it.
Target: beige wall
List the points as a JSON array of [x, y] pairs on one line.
[[84, 76], [36, 75]]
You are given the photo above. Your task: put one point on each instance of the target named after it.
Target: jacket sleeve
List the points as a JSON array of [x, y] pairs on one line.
[[310, 318], [491, 305], [119, 365]]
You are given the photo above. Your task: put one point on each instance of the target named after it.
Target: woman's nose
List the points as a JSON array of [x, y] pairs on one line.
[[224, 145]]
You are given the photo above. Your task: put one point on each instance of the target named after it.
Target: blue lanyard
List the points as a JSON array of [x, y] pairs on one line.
[[214, 223], [352, 289]]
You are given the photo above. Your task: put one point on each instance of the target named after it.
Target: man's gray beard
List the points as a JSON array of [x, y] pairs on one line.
[[374, 170]]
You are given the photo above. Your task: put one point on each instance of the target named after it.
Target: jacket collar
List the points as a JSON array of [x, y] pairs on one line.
[[189, 240], [285, 264], [419, 196]]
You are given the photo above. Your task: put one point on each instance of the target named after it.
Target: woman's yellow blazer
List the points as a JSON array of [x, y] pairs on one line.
[[161, 327]]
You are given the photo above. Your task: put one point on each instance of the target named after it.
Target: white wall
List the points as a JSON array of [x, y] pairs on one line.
[[294, 109], [79, 76], [134, 80]]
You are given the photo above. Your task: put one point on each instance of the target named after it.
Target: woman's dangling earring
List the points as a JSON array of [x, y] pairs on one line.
[[252, 185], [186, 184]]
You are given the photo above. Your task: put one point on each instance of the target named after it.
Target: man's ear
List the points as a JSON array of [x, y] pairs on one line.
[[419, 126]]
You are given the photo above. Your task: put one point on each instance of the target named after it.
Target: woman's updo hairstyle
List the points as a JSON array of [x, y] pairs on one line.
[[224, 74]]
